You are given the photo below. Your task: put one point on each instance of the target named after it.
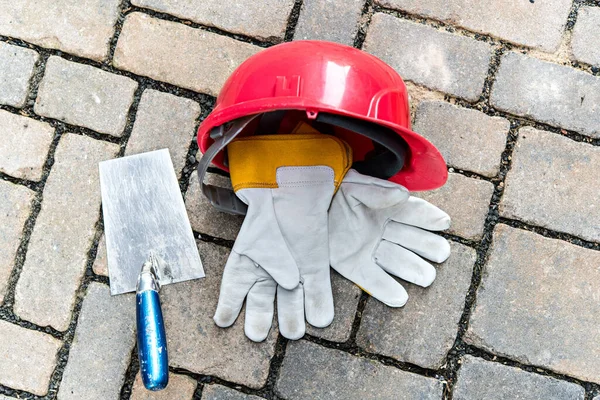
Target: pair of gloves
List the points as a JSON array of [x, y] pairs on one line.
[[306, 211]]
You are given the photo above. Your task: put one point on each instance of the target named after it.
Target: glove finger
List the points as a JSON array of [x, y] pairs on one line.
[[260, 307], [420, 213], [290, 312], [318, 299], [426, 244], [372, 192], [404, 264]]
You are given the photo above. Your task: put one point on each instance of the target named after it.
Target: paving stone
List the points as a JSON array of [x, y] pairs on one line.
[[24, 146], [180, 387], [312, 371], [423, 331], [218, 392], [466, 200], [15, 206], [16, 68], [204, 218], [586, 36], [555, 94], [196, 344], [83, 95], [83, 27], [480, 379], [27, 358], [101, 348], [100, 266], [531, 23], [553, 183], [171, 52], [164, 121], [266, 19], [538, 303], [439, 60], [332, 20], [58, 248], [468, 139]]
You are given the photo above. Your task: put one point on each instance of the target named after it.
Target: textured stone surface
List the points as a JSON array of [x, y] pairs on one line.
[[218, 392], [204, 218], [265, 19], [197, 344], [100, 266], [167, 51], [332, 20], [312, 371], [586, 36], [468, 139], [553, 183], [15, 206], [164, 121], [83, 95], [424, 329], [439, 60], [180, 387], [538, 303], [82, 27], [16, 67], [27, 358], [61, 238], [480, 379], [102, 346], [24, 146], [555, 94], [531, 23]]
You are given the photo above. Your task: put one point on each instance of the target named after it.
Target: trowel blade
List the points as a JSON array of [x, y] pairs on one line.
[[144, 212]]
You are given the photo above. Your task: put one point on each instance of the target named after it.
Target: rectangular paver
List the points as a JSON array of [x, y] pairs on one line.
[[24, 145], [480, 379], [313, 371], [423, 331], [468, 139], [180, 387], [553, 183], [16, 68], [100, 265], [555, 94], [586, 36], [63, 233], [332, 20], [439, 60], [538, 303], [27, 358], [531, 23], [83, 95], [101, 348], [164, 121], [171, 52], [82, 27], [219, 392]]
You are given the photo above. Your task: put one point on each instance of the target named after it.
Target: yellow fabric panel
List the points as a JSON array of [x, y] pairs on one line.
[[253, 160]]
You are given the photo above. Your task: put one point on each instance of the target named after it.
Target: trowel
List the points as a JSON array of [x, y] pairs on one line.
[[149, 243]]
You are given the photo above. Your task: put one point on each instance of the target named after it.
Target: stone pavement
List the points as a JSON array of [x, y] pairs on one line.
[[508, 90]]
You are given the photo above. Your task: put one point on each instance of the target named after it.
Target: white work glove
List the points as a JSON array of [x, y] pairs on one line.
[[376, 228]]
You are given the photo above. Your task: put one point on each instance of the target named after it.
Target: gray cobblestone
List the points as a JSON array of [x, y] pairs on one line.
[[15, 206], [555, 94], [24, 145], [83, 27], [83, 95], [197, 344], [480, 379], [100, 266], [180, 387], [171, 52], [332, 20], [218, 392], [538, 303], [586, 36], [27, 359], [312, 371], [266, 19], [164, 121], [450, 63], [16, 67], [57, 251], [553, 183], [423, 331], [536, 24], [468, 139]]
